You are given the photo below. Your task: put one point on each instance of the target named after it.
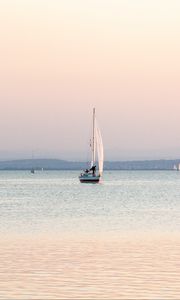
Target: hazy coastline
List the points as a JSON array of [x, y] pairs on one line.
[[58, 164]]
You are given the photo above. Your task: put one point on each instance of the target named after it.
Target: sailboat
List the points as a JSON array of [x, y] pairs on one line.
[[32, 171], [92, 175], [175, 168]]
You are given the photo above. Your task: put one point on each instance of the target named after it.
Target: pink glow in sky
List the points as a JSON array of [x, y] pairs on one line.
[[59, 59]]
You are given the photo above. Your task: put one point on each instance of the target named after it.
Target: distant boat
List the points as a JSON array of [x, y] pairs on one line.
[[32, 169], [90, 175], [175, 168]]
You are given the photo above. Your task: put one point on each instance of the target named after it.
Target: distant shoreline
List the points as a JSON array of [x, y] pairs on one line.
[[57, 164]]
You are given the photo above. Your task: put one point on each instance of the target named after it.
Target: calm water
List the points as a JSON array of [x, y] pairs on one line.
[[62, 239]]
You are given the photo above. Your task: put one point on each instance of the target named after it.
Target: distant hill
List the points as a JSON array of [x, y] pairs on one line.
[[57, 164], [38, 164]]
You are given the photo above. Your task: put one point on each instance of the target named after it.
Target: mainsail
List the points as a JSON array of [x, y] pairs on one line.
[[99, 146]]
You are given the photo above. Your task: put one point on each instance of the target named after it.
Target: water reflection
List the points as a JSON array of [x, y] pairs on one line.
[[86, 267]]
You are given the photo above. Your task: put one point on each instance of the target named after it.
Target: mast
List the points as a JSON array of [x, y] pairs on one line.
[[93, 139]]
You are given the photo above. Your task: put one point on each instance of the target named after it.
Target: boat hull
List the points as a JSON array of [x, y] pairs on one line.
[[89, 179]]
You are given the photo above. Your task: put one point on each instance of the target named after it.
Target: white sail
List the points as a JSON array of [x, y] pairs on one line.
[[93, 150], [99, 146]]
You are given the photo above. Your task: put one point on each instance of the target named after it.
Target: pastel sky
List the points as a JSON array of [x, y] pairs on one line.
[[60, 58]]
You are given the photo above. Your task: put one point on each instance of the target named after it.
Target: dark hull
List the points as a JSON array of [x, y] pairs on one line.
[[89, 180]]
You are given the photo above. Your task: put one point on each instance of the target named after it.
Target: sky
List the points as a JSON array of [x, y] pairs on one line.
[[61, 58]]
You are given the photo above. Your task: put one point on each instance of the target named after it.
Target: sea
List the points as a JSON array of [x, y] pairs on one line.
[[61, 239]]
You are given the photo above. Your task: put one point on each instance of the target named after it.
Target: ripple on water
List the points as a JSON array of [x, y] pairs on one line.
[[84, 268]]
